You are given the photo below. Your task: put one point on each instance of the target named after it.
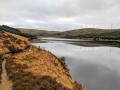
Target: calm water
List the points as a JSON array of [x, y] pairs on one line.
[[95, 65]]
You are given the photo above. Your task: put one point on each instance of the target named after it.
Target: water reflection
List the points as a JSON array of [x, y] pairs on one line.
[[97, 68]]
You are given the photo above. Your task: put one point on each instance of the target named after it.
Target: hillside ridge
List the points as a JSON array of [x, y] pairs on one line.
[[37, 32]]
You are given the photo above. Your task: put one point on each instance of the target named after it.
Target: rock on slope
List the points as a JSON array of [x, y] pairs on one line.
[[37, 69]]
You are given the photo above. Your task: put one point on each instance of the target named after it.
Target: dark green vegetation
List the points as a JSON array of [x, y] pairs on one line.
[[90, 33], [83, 32], [16, 31], [98, 36], [63, 59]]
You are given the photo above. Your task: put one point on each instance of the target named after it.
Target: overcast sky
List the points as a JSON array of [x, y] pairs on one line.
[[60, 14]]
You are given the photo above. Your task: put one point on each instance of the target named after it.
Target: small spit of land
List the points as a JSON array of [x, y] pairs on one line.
[[31, 68]]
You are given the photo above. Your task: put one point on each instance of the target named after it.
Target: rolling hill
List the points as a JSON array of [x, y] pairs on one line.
[[37, 32], [82, 31]]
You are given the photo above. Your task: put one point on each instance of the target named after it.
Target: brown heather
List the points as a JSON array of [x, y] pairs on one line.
[[33, 70]]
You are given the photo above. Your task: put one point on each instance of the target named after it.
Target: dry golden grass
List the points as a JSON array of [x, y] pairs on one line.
[[42, 63]]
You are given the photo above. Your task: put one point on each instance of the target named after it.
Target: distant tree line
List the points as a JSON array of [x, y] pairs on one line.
[[16, 31], [108, 35]]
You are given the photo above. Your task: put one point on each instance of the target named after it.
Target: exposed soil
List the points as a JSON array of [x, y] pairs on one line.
[[5, 83]]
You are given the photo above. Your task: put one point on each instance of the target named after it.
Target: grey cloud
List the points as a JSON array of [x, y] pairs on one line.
[[60, 14]]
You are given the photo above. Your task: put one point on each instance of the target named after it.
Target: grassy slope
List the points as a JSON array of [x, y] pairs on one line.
[[36, 69], [35, 31], [7, 45]]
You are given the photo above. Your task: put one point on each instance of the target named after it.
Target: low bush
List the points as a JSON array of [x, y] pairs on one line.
[[63, 59]]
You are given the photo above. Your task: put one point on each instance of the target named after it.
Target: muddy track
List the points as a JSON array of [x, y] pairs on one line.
[[5, 83]]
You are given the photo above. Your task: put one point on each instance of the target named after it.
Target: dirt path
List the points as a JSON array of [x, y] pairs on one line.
[[5, 83]]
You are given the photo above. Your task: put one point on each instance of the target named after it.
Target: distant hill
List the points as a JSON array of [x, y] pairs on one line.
[[37, 32], [77, 32], [85, 33]]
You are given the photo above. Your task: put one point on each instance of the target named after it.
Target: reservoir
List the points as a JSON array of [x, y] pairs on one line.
[[96, 65]]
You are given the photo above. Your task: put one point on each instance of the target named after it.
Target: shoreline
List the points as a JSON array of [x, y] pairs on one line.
[[72, 40]]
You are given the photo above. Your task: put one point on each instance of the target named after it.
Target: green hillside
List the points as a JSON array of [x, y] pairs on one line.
[[109, 35], [83, 31]]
